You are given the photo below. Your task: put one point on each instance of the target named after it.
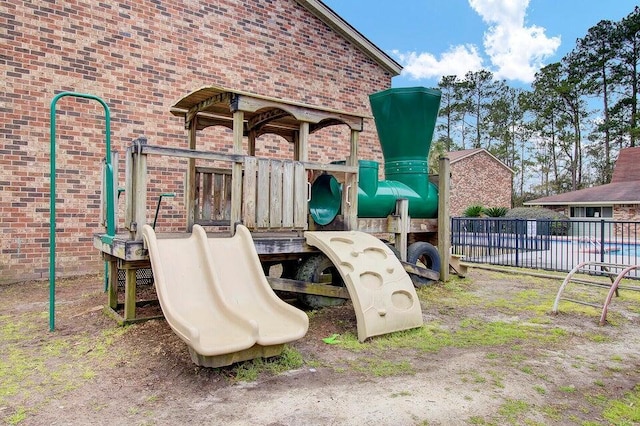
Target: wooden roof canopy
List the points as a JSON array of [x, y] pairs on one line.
[[215, 106]]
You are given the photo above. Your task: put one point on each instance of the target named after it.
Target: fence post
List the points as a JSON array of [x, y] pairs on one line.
[[602, 240], [517, 242]]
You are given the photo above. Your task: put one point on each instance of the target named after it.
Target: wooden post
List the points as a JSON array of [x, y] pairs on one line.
[[303, 142], [252, 143], [296, 145], [140, 193], [236, 171], [444, 221], [402, 237], [350, 195], [112, 265], [129, 204], [130, 294], [136, 190], [190, 185]]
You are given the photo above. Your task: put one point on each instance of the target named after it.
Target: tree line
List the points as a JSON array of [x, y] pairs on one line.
[[565, 132]]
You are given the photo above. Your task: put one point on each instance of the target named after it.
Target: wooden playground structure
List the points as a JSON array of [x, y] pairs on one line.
[[269, 196]]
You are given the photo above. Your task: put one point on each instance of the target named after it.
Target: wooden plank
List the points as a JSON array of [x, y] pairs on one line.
[[262, 199], [303, 142], [402, 237], [236, 171], [444, 222], [130, 294], [190, 186], [192, 153], [287, 194], [422, 272], [214, 170], [295, 286], [196, 194], [227, 197], [112, 270], [206, 195], [250, 102], [300, 195], [249, 198], [275, 205], [219, 196], [129, 204], [350, 193], [140, 194]]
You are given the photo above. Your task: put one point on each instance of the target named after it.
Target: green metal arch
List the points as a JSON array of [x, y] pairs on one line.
[[111, 227]]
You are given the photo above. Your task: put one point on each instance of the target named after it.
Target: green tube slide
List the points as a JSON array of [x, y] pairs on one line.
[[405, 121]]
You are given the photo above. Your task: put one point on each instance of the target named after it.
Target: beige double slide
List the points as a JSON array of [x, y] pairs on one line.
[[216, 298]]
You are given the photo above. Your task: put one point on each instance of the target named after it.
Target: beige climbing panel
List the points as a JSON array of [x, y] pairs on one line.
[[382, 293]]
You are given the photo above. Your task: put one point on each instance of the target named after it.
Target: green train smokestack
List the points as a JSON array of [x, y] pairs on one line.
[[405, 120]]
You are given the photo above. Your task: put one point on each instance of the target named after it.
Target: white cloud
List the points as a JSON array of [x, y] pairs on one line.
[[456, 61], [515, 51]]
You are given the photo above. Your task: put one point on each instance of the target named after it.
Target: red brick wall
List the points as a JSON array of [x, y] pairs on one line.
[[479, 180], [140, 57]]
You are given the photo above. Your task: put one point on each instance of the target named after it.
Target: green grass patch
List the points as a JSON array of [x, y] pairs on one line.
[[36, 362], [513, 408], [470, 333], [625, 411], [380, 367], [249, 371]]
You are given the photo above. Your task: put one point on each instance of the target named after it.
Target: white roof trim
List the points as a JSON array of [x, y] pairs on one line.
[[342, 27]]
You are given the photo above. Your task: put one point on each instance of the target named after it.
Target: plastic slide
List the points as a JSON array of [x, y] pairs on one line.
[[215, 297]]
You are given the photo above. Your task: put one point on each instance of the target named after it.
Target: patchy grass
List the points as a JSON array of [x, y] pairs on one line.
[[37, 366], [250, 371], [470, 333], [625, 411], [380, 367]]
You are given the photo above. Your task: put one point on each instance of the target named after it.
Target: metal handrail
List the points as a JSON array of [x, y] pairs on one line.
[[111, 227]]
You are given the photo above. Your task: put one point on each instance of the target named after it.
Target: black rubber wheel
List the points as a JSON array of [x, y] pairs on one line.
[[283, 269], [395, 251], [319, 269], [425, 255], [289, 268]]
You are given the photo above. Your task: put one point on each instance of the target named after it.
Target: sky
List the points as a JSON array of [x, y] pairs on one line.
[[511, 38]]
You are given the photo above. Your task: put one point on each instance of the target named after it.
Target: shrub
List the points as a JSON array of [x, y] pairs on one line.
[[559, 224], [495, 211], [473, 211]]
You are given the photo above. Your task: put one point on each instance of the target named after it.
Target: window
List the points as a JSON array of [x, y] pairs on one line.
[[592, 211]]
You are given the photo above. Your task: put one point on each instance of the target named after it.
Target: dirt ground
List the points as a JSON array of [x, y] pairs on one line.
[[564, 370]]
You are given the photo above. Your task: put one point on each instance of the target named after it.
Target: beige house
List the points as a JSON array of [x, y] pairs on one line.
[[478, 178]]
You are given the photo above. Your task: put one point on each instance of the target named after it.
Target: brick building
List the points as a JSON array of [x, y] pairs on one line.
[[478, 178], [618, 200], [140, 57]]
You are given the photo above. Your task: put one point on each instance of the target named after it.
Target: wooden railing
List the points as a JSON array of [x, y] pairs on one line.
[[275, 194], [212, 196], [272, 195]]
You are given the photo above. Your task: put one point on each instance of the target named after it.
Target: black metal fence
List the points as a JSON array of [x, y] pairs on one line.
[[556, 245]]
